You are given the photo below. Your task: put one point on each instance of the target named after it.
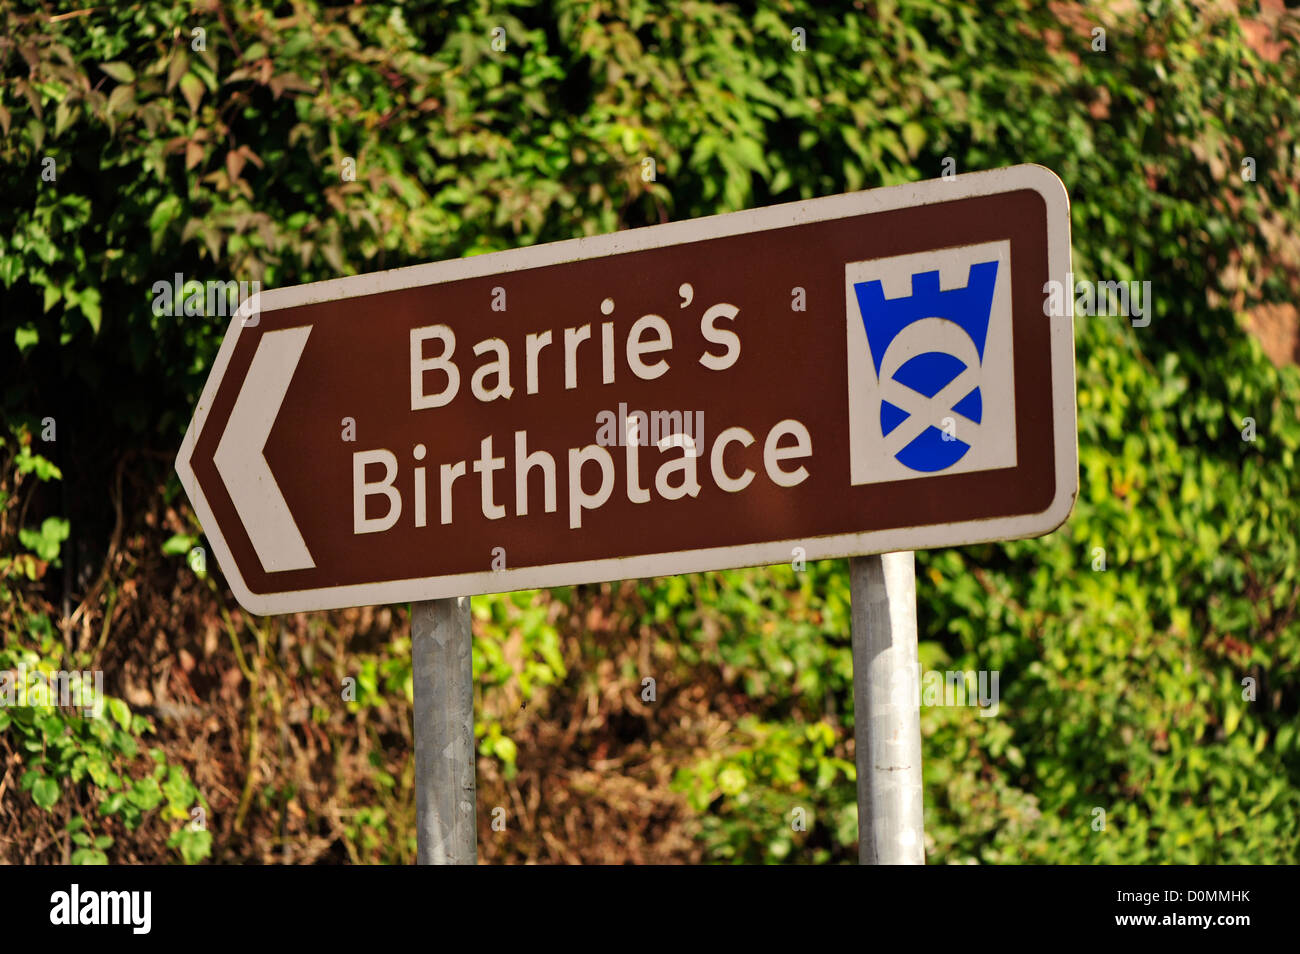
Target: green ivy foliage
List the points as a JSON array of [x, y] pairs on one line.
[[95, 745], [1121, 688]]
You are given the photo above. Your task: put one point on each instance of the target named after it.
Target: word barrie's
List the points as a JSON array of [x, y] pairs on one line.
[[649, 334]]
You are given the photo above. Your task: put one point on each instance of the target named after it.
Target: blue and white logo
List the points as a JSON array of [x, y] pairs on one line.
[[931, 382]]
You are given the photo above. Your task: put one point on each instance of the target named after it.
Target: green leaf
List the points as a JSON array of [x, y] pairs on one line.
[[505, 749], [179, 544], [119, 71], [145, 794], [192, 90], [46, 542], [26, 337], [45, 792], [913, 137], [89, 304], [119, 99], [29, 463], [180, 63], [120, 712], [195, 846], [63, 117]]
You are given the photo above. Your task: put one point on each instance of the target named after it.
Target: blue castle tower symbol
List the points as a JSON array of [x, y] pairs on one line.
[[885, 318]]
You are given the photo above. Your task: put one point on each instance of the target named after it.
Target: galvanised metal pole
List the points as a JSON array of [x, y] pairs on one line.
[[443, 673], [887, 715]]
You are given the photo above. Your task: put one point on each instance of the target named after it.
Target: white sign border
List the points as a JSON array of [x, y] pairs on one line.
[[1029, 176]]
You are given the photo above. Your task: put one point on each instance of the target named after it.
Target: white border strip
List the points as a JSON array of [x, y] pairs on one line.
[[968, 185]]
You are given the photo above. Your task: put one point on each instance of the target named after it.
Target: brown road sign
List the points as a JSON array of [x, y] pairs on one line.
[[847, 375]]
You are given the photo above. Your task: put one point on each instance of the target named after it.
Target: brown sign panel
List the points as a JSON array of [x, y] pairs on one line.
[[854, 374]]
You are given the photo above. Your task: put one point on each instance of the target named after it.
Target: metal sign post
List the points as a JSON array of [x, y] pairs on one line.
[[881, 371], [887, 717], [443, 672]]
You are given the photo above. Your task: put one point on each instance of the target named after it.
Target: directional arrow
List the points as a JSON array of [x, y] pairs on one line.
[[242, 464]]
